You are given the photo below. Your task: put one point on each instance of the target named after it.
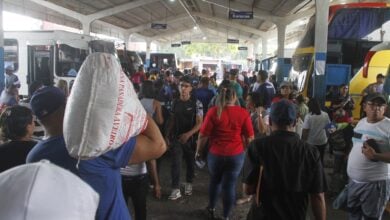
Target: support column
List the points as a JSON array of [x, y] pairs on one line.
[[280, 77], [281, 38], [147, 57], [320, 48], [86, 23], [1, 48], [256, 49], [264, 47]]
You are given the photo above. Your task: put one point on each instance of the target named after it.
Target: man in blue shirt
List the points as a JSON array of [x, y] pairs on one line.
[[101, 173], [266, 89]]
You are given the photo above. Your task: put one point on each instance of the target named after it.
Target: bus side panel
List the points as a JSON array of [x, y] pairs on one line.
[[378, 64]]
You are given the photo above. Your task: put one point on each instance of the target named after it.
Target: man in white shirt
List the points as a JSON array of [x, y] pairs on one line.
[[368, 168]]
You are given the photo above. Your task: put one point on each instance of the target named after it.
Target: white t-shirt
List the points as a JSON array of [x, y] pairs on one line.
[[359, 167], [316, 125]]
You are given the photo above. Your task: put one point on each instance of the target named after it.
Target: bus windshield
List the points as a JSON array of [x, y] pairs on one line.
[[69, 60], [300, 67]]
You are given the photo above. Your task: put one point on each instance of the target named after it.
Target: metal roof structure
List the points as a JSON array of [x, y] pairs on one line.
[[122, 18]]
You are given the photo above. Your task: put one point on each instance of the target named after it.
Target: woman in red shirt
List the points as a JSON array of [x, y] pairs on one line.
[[226, 126]]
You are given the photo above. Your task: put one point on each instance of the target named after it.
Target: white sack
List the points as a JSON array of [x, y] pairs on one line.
[[103, 111]]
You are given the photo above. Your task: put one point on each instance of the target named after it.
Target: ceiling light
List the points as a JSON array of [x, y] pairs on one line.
[[195, 27], [204, 38], [172, 0]]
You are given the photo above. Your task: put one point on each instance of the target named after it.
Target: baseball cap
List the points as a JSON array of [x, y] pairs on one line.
[[9, 67], [375, 97], [380, 75], [283, 112], [233, 72], [45, 191], [47, 100], [284, 84], [187, 79]]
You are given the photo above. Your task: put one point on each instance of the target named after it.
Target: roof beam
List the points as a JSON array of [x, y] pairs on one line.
[[290, 18], [171, 19], [221, 34], [170, 33], [59, 9], [73, 14], [257, 13], [211, 31], [119, 9], [168, 7], [229, 23]]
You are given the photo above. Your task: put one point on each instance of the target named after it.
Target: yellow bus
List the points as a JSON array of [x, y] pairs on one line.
[[353, 29]]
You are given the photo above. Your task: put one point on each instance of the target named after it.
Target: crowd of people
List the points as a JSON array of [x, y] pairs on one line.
[[248, 130]]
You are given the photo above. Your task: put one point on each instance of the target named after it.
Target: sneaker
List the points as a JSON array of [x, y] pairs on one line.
[[187, 189], [210, 213], [175, 194], [244, 200]]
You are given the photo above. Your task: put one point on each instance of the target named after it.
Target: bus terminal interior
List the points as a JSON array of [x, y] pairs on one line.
[[314, 45]]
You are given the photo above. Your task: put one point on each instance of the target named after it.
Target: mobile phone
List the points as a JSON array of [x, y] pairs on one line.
[[372, 143]]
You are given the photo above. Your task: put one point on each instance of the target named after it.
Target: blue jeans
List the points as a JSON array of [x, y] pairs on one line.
[[179, 151], [224, 172]]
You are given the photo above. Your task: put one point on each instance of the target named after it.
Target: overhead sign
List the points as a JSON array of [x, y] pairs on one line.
[[158, 26], [240, 14], [242, 48], [185, 42], [232, 41], [175, 45]]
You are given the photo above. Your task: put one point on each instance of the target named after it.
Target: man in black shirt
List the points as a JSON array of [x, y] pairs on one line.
[[17, 126], [292, 170], [185, 121]]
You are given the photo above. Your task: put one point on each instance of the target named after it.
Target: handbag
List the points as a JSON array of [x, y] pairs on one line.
[[341, 201], [256, 212]]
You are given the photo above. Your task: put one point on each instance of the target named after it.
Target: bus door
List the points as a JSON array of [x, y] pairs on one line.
[[40, 64]]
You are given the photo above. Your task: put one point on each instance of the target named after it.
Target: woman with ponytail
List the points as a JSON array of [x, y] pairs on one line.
[[223, 128]]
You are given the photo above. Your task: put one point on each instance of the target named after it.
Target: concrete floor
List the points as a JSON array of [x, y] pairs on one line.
[[193, 207]]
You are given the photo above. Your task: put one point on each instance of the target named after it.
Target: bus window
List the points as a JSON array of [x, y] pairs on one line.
[[40, 63], [11, 53], [69, 60], [129, 61]]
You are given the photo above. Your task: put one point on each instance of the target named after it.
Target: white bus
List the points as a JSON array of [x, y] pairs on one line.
[[48, 56]]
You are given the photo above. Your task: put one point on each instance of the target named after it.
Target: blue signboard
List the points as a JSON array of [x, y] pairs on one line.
[[242, 48], [175, 45], [232, 41], [240, 14], [158, 26], [185, 42]]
